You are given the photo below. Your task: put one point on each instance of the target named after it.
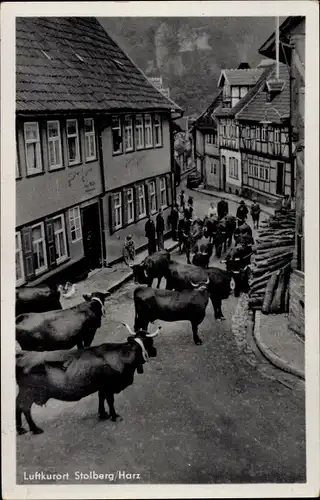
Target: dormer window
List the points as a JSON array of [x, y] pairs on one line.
[[226, 92]]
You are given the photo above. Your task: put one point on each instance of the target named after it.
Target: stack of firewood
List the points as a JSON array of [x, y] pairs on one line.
[[271, 263]]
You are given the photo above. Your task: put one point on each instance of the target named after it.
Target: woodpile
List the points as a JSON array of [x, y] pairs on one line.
[[271, 263]]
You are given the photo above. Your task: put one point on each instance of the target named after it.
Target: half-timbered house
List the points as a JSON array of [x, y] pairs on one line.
[[267, 167], [236, 85]]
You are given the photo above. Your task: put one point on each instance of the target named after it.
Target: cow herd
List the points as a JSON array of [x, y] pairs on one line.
[[47, 366]]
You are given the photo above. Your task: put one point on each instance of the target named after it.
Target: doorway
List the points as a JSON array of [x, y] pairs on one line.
[[280, 178], [91, 232]]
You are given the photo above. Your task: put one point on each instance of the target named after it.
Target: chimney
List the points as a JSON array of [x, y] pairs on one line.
[[244, 65]]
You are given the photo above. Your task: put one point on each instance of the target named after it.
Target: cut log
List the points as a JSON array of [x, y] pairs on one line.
[[260, 279], [278, 302], [277, 243], [274, 267], [270, 288], [273, 260], [273, 252]]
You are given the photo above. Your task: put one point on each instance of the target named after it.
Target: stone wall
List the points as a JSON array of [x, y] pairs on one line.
[[296, 305]]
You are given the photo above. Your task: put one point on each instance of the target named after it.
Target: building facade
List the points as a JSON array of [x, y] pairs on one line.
[[267, 167], [236, 85], [94, 148]]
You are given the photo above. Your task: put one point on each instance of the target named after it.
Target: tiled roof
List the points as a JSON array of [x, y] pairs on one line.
[[231, 112], [259, 109], [205, 120], [240, 76], [71, 64]]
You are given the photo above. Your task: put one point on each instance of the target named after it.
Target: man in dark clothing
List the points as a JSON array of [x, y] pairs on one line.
[[150, 232], [222, 208], [242, 213], [160, 230], [181, 228], [182, 200], [173, 221], [255, 213]]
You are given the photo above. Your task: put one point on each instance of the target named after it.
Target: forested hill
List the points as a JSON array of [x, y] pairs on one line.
[[190, 52]]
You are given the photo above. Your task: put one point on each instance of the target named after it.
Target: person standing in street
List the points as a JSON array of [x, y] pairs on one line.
[[212, 212], [222, 208], [255, 213], [150, 232], [173, 221], [160, 230], [182, 199], [181, 228], [242, 213]]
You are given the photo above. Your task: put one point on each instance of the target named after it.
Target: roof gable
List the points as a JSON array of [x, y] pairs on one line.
[[240, 77], [72, 64]]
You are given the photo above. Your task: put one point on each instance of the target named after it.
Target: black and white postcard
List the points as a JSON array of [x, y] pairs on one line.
[[163, 214]]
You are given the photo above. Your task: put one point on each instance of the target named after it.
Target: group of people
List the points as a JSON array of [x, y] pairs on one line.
[[154, 233]]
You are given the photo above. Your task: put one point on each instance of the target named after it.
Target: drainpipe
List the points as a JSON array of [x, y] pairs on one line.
[[101, 211], [173, 181]]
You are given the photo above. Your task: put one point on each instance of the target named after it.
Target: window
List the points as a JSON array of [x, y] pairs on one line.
[[264, 131], [163, 192], [157, 130], [117, 204], [54, 145], [258, 133], [73, 142], [60, 238], [33, 149], [89, 139], [148, 131], [259, 168], [75, 224], [128, 133], [233, 168], [210, 138], [142, 201], [39, 248], [116, 135], [19, 261], [152, 197], [130, 201], [139, 135]]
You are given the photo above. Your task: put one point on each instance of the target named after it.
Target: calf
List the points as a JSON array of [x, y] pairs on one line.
[[54, 330], [37, 299], [170, 305], [72, 375]]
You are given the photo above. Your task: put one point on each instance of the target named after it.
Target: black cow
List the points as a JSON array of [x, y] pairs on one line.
[[54, 330], [243, 235], [180, 276], [224, 233], [210, 228], [238, 263], [152, 267], [202, 258], [72, 375], [37, 299], [170, 305]]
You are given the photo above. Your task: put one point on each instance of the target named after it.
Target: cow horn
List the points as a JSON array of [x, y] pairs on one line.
[[128, 328], [207, 282], [223, 261], [145, 273], [195, 285], [154, 334]]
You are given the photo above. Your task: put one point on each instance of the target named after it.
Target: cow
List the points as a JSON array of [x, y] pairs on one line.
[[202, 258], [238, 263], [181, 276], [55, 330], [37, 299], [225, 229], [170, 305], [72, 375], [152, 267], [243, 234], [210, 228]]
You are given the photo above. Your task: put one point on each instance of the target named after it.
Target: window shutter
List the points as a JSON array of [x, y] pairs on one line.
[[136, 200], [26, 239], [51, 246], [169, 189], [125, 206], [111, 213], [157, 180]]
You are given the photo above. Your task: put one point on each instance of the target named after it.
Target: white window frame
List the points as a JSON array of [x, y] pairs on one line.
[[43, 240], [264, 134], [130, 204], [37, 142], [87, 136], [148, 131], [63, 231], [73, 136], [128, 133], [117, 210], [157, 125], [142, 196], [75, 216], [53, 140], [139, 132], [22, 279], [163, 189], [152, 195]]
